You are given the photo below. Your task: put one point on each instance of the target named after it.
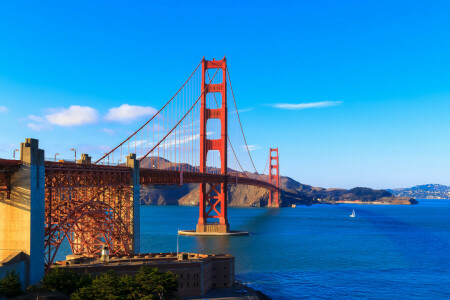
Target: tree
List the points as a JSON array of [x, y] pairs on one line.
[[10, 285], [65, 281], [148, 284], [152, 282]]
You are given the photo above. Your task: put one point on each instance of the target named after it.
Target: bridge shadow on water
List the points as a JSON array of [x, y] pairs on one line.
[[255, 224]]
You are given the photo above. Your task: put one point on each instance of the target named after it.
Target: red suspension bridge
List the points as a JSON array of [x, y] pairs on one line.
[[196, 137]]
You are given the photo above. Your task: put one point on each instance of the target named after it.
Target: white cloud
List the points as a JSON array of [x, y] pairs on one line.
[[300, 106], [75, 115], [245, 110], [36, 118], [127, 113], [34, 126], [251, 147], [3, 109], [108, 131], [38, 124]]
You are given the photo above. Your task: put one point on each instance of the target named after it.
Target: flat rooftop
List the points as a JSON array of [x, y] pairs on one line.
[[137, 259]]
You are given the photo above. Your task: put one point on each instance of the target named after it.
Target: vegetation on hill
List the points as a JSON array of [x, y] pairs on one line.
[[426, 191]]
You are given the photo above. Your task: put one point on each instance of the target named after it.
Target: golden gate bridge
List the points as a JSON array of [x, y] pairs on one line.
[[196, 137]]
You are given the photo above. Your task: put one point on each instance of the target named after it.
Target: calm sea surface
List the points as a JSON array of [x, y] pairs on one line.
[[386, 252]]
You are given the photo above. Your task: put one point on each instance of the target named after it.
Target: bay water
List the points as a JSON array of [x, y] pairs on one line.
[[319, 252]]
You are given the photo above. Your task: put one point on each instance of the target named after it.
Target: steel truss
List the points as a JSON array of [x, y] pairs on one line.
[[90, 206]]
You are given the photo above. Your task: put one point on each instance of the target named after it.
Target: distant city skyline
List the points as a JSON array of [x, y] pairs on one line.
[[352, 94]]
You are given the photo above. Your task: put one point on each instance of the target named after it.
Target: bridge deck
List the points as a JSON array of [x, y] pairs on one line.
[[147, 176]]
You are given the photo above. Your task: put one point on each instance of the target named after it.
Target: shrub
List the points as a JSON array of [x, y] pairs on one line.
[[147, 284], [10, 285], [152, 282], [65, 281], [105, 286]]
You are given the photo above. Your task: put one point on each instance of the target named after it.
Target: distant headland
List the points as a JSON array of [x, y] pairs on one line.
[[426, 191]]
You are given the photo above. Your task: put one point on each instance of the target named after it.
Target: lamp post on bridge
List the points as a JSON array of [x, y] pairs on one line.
[[14, 153], [75, 150], [56, 155]]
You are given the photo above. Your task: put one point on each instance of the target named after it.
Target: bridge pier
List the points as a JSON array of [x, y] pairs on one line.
[[133, 163], [22, 224]]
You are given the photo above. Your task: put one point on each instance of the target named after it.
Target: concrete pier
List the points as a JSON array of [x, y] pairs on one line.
[[22, 224], [197, 233], [133, 163]]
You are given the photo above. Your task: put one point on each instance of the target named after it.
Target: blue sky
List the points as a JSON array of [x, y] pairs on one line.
[[354, 93]]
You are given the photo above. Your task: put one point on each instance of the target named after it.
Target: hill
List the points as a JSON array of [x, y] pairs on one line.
[[293, 192], [426, 191]]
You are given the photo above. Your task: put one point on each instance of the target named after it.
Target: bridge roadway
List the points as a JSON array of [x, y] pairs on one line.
[[147, 176]]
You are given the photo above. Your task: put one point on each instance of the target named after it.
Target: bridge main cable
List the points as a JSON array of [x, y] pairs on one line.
[[134, 133]]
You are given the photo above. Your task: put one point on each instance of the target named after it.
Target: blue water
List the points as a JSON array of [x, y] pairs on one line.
[[318, 252], [386, 252]]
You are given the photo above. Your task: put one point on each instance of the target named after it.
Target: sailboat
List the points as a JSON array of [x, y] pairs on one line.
[[353, 214]]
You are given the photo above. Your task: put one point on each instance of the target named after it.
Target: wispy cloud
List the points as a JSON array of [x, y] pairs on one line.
[[245, 110], [299, 106], [75, 115], [37, 119], [3, 109], [108, 131], [37, 123], [127, 113], [251, 147]]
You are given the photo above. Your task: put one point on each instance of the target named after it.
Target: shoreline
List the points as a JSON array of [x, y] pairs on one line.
[[231, 293], [398, 202]]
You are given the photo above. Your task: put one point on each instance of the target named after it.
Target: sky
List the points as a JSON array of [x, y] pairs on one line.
[[353, 93]]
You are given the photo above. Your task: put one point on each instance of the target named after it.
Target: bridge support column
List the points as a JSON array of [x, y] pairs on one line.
[[133, 163], [213, 196], [22, 224], [274, 178]]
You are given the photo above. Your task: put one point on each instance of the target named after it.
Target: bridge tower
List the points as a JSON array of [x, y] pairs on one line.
[[213, 196], [274, 177]]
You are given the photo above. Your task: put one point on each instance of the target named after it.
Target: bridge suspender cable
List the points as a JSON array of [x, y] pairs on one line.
[[178, 123], [150, 118], [240, 124], [267, 163]]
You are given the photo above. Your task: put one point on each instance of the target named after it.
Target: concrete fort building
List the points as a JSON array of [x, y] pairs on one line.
[[197, 273]]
